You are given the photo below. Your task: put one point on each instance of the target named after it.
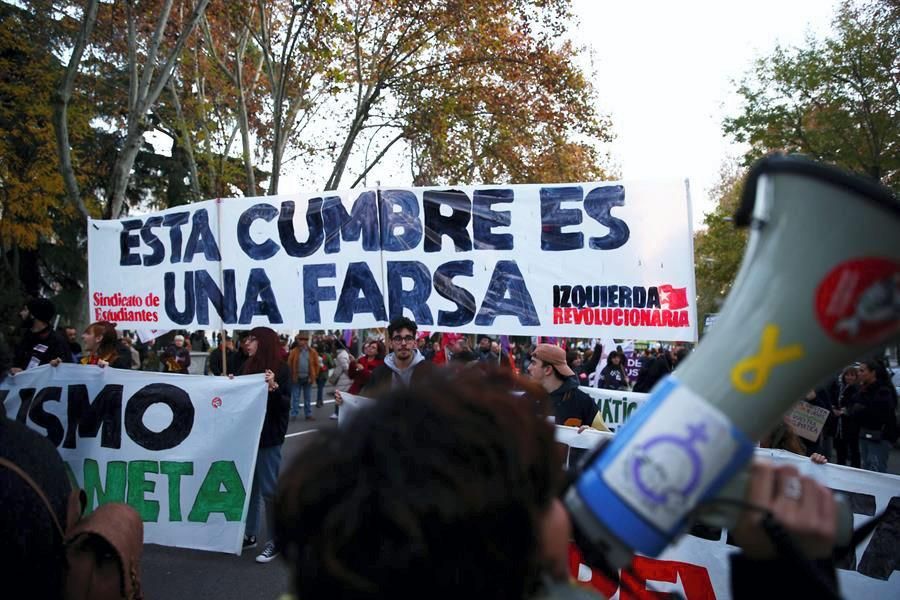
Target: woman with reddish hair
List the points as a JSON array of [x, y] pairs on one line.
[[373, 357], [264, 350], [101, 346]]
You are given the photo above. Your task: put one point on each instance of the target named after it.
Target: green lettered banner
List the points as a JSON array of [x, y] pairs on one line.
[[180, 449]]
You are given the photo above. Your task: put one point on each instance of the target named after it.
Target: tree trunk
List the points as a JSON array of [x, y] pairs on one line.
[[61, 108], [276, 150], [148, 93], [185, 136], [121, 172], [244, 123]]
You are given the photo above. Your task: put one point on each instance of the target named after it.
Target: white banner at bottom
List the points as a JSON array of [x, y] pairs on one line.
[[697, 568]]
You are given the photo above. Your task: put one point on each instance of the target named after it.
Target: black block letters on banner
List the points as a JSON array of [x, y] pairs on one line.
[[389, 221]]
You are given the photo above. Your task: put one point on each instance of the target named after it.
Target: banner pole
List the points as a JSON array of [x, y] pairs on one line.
[[222, 344], [381, 261]]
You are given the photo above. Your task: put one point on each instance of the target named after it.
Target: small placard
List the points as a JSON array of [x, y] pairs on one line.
[[807, 420]]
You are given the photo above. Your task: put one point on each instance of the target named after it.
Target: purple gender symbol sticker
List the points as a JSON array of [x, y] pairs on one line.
[[654, 491]]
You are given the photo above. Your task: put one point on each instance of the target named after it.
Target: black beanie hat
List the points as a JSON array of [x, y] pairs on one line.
[[41, 309]]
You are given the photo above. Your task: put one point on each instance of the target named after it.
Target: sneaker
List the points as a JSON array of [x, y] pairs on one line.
[[310, 418], [333, 417], [249, 541], [268, 554]]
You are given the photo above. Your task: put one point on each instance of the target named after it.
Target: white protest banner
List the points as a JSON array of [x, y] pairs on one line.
[[616, 407], [807, 420], [351, 404], [180, 449], [552, 260], [697, 568]]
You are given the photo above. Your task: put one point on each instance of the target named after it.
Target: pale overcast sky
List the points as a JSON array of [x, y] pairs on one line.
[[664, 73]]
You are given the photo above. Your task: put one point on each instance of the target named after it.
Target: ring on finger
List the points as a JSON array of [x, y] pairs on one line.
[[792, 489]]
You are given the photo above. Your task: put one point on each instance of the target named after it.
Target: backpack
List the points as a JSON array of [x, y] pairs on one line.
[[103, 550]]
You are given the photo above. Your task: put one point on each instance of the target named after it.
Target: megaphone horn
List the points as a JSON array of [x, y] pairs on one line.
[[818, 287]]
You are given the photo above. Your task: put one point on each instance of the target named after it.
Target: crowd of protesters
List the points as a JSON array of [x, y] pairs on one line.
[[861, 401]]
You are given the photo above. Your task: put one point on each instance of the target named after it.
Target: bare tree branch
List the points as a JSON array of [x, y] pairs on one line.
[[376, 159]]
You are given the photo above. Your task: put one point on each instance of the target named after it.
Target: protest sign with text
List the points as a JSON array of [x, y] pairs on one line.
[[807, 420], [180, 449], [697, 566], [616, 407], [566, 260]]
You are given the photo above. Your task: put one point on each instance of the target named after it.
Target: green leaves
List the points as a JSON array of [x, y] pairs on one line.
[[836, 99], [719, 248]]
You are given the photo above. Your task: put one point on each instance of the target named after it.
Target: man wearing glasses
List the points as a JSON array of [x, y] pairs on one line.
[[404, 364]]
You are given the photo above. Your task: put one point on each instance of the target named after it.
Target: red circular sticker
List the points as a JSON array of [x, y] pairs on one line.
[[216, 402], [859, 300]]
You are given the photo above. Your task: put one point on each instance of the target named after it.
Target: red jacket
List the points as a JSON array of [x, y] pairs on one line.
[[361, 373]]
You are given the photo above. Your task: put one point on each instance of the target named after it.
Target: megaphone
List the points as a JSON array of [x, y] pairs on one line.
[[819, 286]]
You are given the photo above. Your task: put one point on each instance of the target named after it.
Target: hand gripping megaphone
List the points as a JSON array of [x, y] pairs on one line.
[[819, 286]]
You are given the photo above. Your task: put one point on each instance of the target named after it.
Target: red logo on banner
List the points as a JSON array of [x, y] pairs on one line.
[[216, 402], [694, 579], [676, 298], [859, 300]]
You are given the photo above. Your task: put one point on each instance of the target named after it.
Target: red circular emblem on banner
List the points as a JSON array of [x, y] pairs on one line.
[[216, 402], [859, 300]]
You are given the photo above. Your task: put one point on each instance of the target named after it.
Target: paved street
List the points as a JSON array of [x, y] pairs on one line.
[[175, 573]]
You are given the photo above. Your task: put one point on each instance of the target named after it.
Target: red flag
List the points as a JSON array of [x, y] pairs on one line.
[[675, 299]]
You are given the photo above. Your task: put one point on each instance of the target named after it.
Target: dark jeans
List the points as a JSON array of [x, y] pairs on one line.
[[301, 385], [320, 389], [874, 454], [847, 447], [265, 483]]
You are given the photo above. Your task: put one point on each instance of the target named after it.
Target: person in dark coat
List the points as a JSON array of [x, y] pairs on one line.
[[451, 489], [874, 410], [403, 366], [40, 345], [571, 406], [612, 377], [846, 429], [176, 358], [652, 372], [264, 356], [231, 359]]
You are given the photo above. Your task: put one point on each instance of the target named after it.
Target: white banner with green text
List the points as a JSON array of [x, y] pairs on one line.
[[180, 449]]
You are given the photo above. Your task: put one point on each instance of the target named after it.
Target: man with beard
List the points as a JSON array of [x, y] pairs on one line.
[[40, 345], [404, 364]]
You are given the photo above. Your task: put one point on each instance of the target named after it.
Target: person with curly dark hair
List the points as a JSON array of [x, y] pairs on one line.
[[448, 486]]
